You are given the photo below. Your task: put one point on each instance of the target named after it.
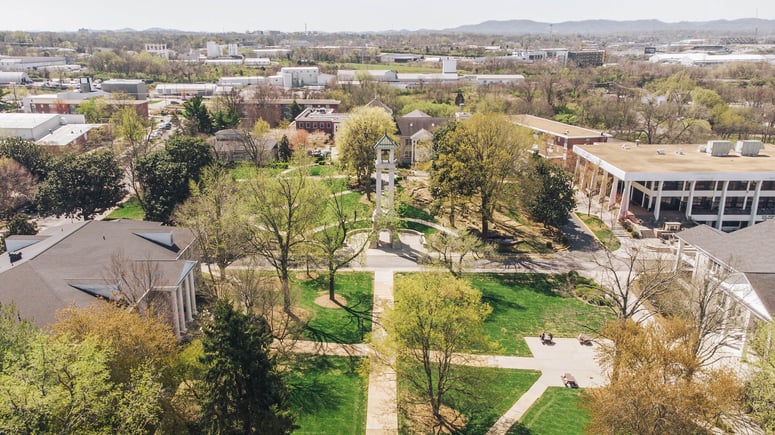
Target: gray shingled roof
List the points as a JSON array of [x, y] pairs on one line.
[[72, 264], [750, 251]]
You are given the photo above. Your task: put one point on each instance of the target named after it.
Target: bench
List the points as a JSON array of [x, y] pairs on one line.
[[569, 381]]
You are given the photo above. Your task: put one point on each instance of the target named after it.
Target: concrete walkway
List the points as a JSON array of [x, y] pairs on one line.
[[382, 410]]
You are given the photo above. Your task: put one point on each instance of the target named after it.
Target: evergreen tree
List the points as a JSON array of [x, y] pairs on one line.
[[198, 117], [284, 149], [242, 391], [547, 192], [82, 185]]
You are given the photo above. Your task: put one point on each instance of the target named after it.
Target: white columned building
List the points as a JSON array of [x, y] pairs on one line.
[[718, 184]]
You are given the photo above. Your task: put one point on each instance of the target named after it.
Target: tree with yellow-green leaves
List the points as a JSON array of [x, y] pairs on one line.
[[436, 316], [479, 155], [356, 138]]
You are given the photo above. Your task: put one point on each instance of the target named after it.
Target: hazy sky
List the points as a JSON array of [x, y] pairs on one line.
[[364, 15]]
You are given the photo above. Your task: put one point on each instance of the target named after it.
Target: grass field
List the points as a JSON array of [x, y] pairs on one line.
[[338, 324], [352, 205], [601, 230], [329, 396], [425, 229], [335, 185], [323, 170], [131, 209], [488, 396], [527, 304], [557, 412]]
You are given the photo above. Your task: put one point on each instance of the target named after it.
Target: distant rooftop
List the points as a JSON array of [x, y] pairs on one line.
[[24, 120], [554, 127]]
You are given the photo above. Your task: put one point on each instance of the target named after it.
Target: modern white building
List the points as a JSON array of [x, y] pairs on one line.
[[720, 184], [23, 63], [14, 77], [186, 89], [241, 81], [35, 126], [302, 76]]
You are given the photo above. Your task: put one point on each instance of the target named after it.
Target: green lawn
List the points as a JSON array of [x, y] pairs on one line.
[[488, 395], [352, 204], [557, 412], [601, 230], [408, 210], [131, 209], [247, 170], [335, 185], [343, 325], [329, 396], [425, 229], [323, 170], [527, 304]]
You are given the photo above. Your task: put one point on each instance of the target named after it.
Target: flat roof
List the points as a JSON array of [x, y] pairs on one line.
[[66, 134], [24, 120], [681, 159], [554, 127]]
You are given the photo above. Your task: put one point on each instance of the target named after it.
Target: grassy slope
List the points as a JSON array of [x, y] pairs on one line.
[[525, 305], [557, 412]]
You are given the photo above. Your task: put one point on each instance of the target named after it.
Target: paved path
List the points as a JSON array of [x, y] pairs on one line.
[[382, 410]]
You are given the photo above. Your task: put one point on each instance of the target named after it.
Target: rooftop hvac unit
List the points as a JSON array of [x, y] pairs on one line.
[[718, 147], [749, 148]]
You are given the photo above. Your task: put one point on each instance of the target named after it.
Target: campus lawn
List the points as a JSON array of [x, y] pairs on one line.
[[323, 170], [130, 209], [410, 211], [490, 393], [425, 229], [335, 185], [557, 412], [352, 204], [525, 305], [342, 325], [601, 230], [328, 394], [247, 170]]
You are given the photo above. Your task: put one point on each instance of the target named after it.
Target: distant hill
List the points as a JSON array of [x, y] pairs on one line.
[[520, 27]]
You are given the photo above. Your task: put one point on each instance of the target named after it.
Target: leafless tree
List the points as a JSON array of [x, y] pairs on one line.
[[135, 281], [630, 280], [17, 186]]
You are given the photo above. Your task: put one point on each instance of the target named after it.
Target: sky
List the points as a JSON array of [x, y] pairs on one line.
[[357, 16]]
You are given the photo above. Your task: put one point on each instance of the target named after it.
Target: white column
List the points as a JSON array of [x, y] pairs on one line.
[[181, 309], [690, 202], [658, 207], [614, 189], [745, 331], [625, 204], [175, 316], [187, 300], [651, 195], [725, 320], [755, 203], [722, 204], [192, 286], [678, 252]]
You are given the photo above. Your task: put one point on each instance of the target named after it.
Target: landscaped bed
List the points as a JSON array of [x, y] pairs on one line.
[[601, 231], [557, 412], [330, 395]]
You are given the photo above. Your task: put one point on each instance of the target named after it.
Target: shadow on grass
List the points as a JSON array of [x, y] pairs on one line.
[[312, 389], [537, 282]]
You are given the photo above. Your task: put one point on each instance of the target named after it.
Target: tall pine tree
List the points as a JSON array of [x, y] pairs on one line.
[[242, 392]]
